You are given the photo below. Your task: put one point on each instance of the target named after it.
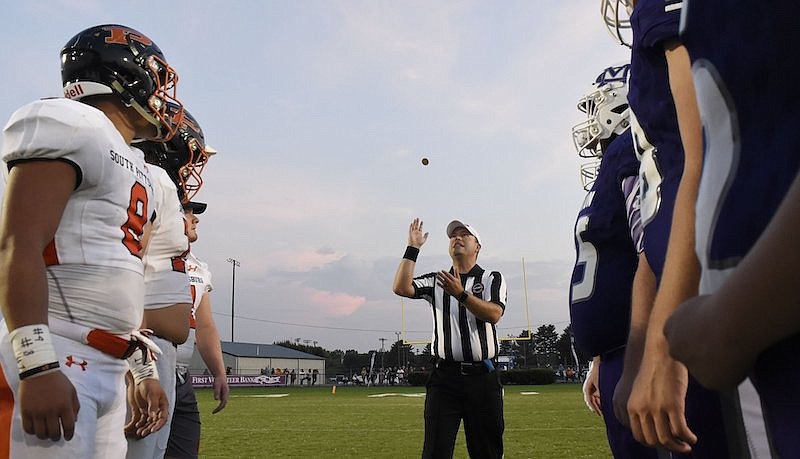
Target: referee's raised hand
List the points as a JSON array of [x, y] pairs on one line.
[[450, 283], [415, 235]]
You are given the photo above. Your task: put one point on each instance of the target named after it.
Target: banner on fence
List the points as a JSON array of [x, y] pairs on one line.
[[241, 380]]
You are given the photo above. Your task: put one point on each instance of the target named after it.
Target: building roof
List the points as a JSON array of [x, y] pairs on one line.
[[265, 351]]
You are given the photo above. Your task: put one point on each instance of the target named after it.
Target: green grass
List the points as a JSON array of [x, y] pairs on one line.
[[313, 423]]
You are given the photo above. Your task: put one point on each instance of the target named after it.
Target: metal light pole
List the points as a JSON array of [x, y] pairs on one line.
[[399, 356], [382, 340], [234, 263]]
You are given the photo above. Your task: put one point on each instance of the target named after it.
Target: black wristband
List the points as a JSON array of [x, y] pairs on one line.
[[37, 370], [411, 253], [463, 297]]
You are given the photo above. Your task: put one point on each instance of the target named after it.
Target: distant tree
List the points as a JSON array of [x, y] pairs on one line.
[[544, 343], [353, 361], [565, 349], [524, 350], [400, 354], [508, 347]]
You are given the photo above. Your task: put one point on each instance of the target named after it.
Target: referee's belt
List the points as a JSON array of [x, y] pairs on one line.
[[104, 341], [466, 368]]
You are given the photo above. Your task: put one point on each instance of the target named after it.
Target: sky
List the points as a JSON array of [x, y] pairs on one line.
[[322, 112]]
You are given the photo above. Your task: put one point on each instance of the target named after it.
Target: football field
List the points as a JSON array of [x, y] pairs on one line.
[[386, 422]]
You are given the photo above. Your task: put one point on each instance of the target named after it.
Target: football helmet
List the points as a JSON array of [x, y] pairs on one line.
[[607, 113], [618, 23], [183, 157], [114, 59]]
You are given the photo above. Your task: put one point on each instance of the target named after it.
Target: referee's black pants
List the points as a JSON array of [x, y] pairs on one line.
[[475, 398]]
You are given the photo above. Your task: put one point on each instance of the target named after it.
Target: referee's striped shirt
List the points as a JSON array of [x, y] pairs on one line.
[[457, 334]]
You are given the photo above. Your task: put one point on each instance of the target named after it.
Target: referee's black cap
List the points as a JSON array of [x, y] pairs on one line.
[[196, 207]]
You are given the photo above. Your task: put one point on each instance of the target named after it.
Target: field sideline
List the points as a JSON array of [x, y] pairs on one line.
[[314, 423]]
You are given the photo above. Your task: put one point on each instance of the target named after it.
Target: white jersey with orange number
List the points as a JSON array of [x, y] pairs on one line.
[[98, 241], [199, 285], [164, 257]]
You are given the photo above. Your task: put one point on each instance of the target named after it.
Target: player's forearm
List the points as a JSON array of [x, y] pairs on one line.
[[23, 287], [484, 310], [210, 349], [686, 109], [403, 279], [681, 268]]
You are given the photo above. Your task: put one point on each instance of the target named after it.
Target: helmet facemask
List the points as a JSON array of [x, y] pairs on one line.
[[183, 157], [190, 174], [162, 108], [589, 172], [607, 114], [616, 16]]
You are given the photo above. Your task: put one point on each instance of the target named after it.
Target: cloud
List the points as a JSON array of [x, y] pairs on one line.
[[335, 304], [303, 260]]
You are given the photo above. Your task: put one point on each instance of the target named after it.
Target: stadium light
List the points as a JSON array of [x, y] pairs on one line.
[[234, 263]]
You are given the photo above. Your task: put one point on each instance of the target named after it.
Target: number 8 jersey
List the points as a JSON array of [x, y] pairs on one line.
[[95, 271]]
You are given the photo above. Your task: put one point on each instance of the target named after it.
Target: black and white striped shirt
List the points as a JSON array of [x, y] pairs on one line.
[[457, 334]]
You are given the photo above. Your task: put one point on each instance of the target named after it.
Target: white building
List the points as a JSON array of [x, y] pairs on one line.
[[250, 359]]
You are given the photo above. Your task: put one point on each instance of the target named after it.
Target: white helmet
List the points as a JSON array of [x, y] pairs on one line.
[[618, 23], [606, 109]]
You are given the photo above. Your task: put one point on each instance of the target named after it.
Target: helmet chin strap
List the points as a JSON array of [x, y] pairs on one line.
[[129, 101]]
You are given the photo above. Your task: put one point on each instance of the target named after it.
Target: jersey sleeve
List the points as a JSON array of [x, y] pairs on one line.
[[53, 130], [630, 189], [423, 286], [207, 272], [498, 290], [659, 21]]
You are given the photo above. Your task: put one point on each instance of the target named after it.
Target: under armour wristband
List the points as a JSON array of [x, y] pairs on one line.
[[33, 349], [463, 297], [411, 253]]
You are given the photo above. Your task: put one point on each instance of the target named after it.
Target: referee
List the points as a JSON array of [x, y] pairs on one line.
[[467, 301]]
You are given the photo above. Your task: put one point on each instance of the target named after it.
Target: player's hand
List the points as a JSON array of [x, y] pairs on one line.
[[656, 407], [138, 414], [149, 408], [220, 393], [718, 363], [49, 405], [416, 238], [591, 389], [155, 403], [451, 283]]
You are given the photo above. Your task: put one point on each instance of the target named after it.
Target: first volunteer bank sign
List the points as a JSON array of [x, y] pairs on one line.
[[241, 380]]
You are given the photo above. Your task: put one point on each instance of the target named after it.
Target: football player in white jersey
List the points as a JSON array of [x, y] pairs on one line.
[[184, 437], [168, 302], [77, 202]]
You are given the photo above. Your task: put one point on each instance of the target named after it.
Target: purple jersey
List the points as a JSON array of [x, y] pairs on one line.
[[600, 293], [655, 127], [745, 73]]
